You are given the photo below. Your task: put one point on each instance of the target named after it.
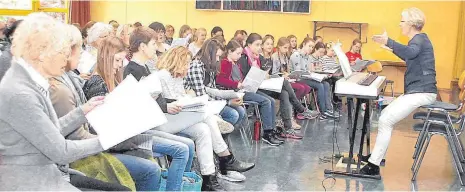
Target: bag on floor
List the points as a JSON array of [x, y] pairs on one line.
[[190, 181]]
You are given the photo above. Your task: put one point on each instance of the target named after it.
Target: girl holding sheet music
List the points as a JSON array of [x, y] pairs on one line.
[[302, 61], [231, 77], [202, 73], [251, 58], [173, 68]]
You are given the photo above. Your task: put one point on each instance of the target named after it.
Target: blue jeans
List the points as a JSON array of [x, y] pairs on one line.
[[181, 149], [322, 89], [233, 114], [266, 104], [146, 174]]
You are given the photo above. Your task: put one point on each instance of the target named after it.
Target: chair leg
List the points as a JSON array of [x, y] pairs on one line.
[[458, 166], [392, 89], [417, 168], [420, 141], [422, 133]]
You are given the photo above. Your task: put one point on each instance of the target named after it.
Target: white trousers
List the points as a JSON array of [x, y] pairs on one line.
[[393, 113], [201, 128]]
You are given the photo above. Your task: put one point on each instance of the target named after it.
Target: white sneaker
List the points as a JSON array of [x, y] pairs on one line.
[[232, 176]]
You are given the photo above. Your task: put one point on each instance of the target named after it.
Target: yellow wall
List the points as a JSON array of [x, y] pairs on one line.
[[441, 26]]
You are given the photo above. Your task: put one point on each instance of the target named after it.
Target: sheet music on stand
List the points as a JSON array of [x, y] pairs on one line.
[[253, 80], [129, 110]]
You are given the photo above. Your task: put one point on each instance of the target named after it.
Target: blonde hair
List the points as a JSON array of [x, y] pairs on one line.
[[39, 36], [105, 58], [121, 29], [184, 29], [175, 61], [415, 17], [197, 33]]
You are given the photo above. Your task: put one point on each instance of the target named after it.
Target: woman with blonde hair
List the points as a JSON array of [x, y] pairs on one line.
[[41, 47], [173, 67], [419, 89], [199, 38]]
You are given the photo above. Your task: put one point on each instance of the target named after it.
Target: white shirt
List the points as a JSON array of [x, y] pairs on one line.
[[194, 49], [35, 76]]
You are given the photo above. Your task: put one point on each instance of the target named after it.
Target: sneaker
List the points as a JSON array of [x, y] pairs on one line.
[[232, 176], [334, 113], [269, 139], [279, 123], [309, 114], [277, 134], [329, 114], [295, 125], [291, 134], [323, 117]]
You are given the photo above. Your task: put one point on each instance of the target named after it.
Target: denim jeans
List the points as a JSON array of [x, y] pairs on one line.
[[146, 174], [181, 149], [266, 105], [323, 90], [233, 114]]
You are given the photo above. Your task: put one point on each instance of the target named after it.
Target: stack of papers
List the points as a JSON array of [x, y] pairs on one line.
[[128, 110], [192, 103], [273, 84], [361, 64], [253, 80], [316, 76]]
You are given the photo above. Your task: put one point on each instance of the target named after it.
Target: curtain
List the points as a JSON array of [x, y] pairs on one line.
[[80, 12], [460, 54]]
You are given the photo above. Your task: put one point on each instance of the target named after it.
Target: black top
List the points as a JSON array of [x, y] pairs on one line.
[[139, 71], [95, 86], [136, 70]]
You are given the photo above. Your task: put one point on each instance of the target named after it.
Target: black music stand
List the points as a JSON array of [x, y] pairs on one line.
[[365, 132]]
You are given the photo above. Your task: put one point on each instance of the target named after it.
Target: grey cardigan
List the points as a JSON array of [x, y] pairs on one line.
[[5, 61], [32, 142]]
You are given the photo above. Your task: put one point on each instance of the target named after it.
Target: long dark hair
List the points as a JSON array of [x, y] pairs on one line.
[[318, 45], [207, 54], [252, 38]]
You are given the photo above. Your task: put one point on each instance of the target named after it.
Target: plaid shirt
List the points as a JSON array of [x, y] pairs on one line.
[[196, 77]]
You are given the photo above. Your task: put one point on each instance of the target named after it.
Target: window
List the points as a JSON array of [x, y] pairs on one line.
[[279, 6], [17, 9]]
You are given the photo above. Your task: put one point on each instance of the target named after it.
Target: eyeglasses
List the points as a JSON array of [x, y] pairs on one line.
[[403, 21]]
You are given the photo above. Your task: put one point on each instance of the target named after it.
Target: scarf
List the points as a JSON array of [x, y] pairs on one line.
[[253, 59]]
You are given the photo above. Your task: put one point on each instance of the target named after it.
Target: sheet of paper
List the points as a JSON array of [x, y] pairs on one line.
[[190, 102], [86, 62], [316, 76], [128, 111], [224, 94], [151, 84], [343, 60], [215, 107], [181, 41], [253, 80], [273, 84], [361, 64]]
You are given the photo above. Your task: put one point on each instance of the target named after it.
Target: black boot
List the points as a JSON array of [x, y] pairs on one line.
[[370, 169], [211, 184], [268, 137], [230, 163]]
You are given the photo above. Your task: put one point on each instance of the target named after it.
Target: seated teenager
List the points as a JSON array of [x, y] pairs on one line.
[[281, 64], [185, 31], [143, 48], [159, 28], [252, 58], [293, 47], [169, 34], [231, 77], [354, 53], [217, 31], [197, 41], [173, 69], [202, 73], [33, 149], [329, 61], [303, 60]]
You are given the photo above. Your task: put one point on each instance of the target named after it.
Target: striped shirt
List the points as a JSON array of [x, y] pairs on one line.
[[329, 63]]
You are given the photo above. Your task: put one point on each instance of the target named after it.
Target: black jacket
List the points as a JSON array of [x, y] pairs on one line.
[[420, 76]]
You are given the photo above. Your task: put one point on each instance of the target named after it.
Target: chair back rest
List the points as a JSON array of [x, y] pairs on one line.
[[375, 67]]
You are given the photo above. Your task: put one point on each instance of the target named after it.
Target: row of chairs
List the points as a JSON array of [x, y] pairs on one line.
[[438, 120]]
